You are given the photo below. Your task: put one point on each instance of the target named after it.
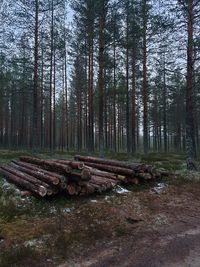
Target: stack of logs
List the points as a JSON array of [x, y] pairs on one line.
[[82, 176]]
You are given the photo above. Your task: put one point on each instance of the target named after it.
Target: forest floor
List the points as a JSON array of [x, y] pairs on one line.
[[141, 226]]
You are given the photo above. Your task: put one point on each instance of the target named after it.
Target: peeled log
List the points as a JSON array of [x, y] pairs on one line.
[[109, 168], [39, 190]]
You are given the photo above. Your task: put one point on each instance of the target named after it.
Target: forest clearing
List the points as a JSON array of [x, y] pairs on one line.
[[80, 176], [99, 133], [151, 224]]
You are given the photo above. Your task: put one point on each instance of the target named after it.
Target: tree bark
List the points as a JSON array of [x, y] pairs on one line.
[[127, 80], [101, 76], [29, 176], [35, 134], [39, 190], [145, 93], [116, 163], [164, 109], [51, 79], [133, 115], [112, 169], [55, 177], [190, 140], [38, 173]]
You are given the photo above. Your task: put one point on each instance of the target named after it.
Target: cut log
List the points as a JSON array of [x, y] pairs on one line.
[[54, 177], [102, 187], [72, 164], [112, 169], [144, 176], [115, 163], [26, 193], [122, 179], [42, 171], [90, 175], [70, 173], [134, 180], [48, 165], [87, 189], [38, 174], [75, 176], [97, 188], [73, 189], [62, 186], [85, 174], [39, 190], [28, 178], [78, 175], [104, 180], [97, 172]]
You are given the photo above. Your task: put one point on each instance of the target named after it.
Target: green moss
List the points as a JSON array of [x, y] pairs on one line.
[[18, 256], [121, 230], [10, 154]]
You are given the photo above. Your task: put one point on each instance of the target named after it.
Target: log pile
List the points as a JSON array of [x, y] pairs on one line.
[[82, 176], [127, 173]]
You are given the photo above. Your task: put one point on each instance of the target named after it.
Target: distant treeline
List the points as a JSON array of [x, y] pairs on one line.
[[122, 76]]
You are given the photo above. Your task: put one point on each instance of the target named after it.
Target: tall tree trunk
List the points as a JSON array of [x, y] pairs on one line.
[[101, 78], [164, 109], [133, 130], [54, 99], [114, 95], [145, 93], [127, 80], [35, 136], [66, 99], [190, 140], [42, 102], [90, 95], [51, 79]]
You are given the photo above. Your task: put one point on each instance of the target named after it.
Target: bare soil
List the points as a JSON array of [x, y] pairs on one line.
[[145, 229]]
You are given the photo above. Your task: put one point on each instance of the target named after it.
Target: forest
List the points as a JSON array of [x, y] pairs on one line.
[[99, 133], [102, 75]]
